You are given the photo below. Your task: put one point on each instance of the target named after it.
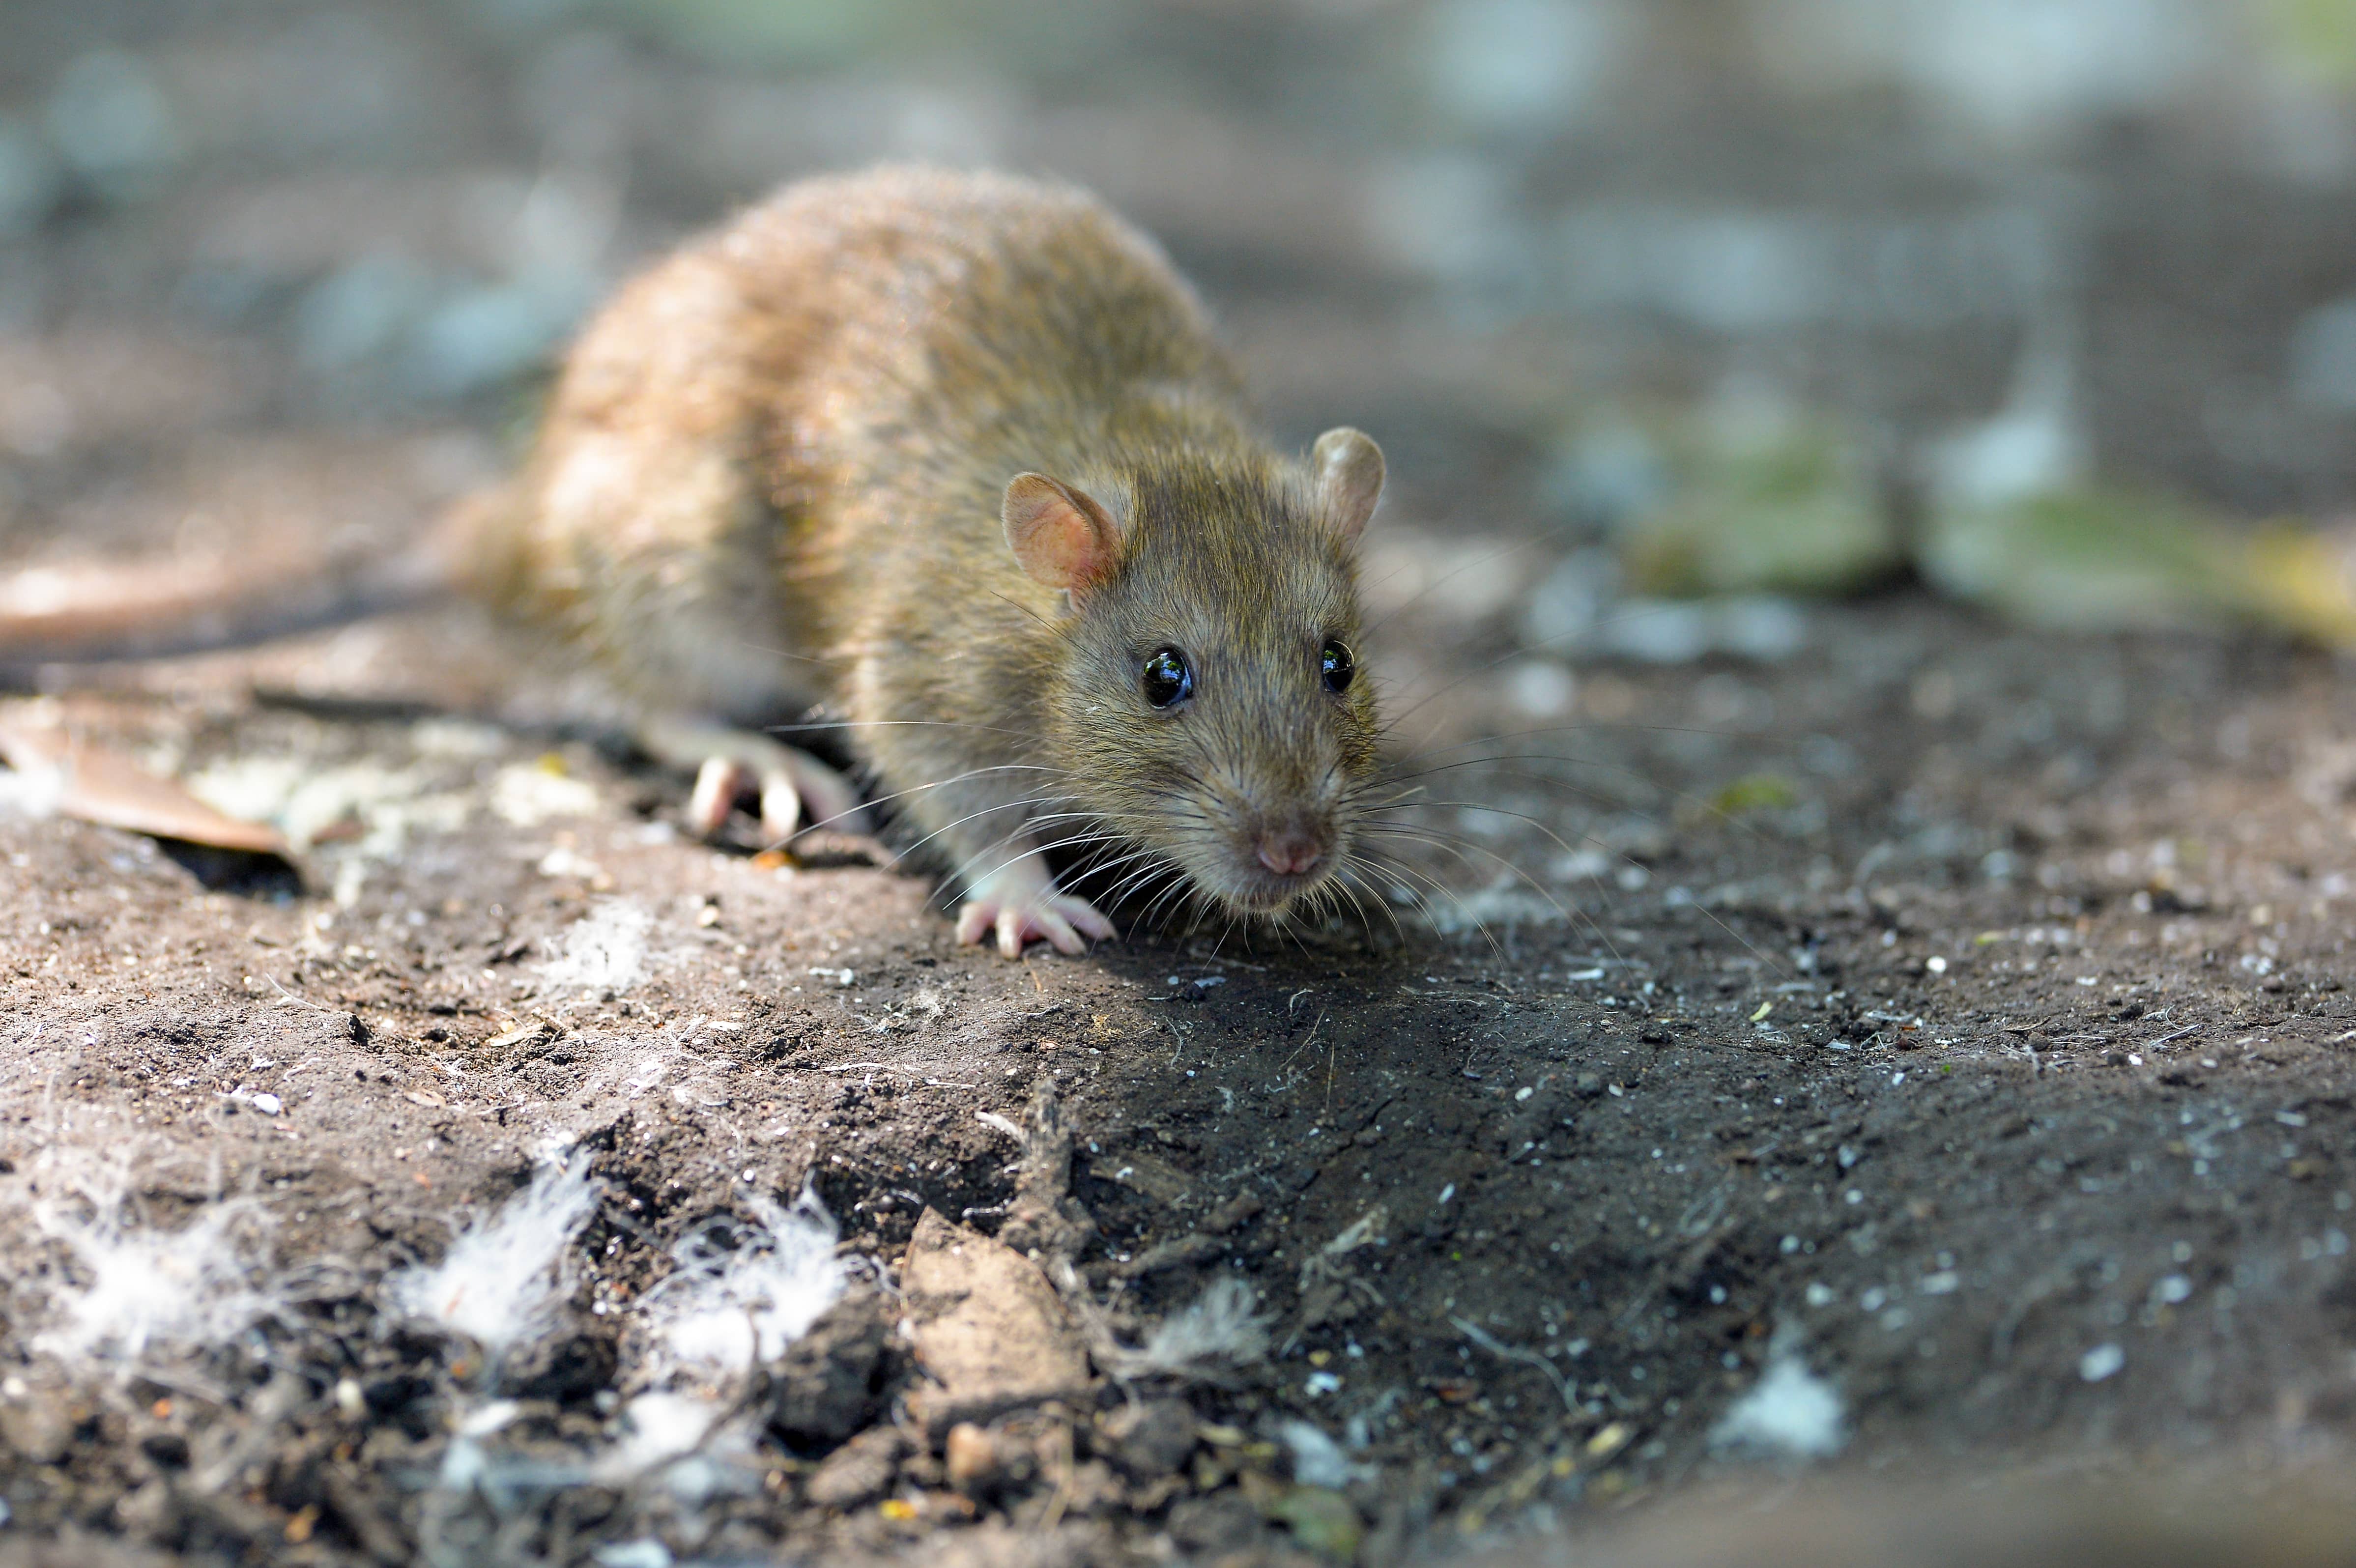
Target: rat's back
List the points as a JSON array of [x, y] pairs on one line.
[[760, 437]]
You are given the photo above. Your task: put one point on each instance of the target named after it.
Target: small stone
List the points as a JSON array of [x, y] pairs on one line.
[[1150, 1439], [2101, 1362], [1222, 1523], [1235, 1213], [38, 1432], [826, 1380], [987, 1327], [168, 1450], [150, 1513], [972, 1458], [859, 1470], [560, 1366], [111, 121]]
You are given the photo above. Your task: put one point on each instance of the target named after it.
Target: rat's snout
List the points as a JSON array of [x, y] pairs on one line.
[[1294, 849]]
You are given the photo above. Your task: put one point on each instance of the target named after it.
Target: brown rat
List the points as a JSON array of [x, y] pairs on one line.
[[955, 457]]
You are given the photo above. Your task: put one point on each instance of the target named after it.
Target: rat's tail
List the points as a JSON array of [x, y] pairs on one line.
[[161, 609]]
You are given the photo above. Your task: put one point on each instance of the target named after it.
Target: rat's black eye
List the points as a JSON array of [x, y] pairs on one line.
[[1339, 667], [1169, 679]]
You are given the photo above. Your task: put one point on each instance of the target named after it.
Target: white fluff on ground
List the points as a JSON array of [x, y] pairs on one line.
[[1221, 1327], [605, 950], [1789, 1410], [503, 1276], [152, 1289], [726, 1308]]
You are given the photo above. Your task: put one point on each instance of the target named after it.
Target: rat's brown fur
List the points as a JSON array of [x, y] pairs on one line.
[[773, 475]]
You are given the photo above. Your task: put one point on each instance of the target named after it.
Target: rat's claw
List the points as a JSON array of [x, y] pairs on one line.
[[722, 782], [1021, 906], [781, 806], [794, 789], [718, 784]]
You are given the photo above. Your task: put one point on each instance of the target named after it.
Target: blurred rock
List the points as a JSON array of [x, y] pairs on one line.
[[30, 178], [1444, 214], [559, 227], [987, 1327], [1457, 578], [1523, 66], [1679, 631], [859, 1470], [1322, 1520], [1609, 472], [478, 337], [970, 1459], [1222, 1523], [361, 311], [2016, 74], [1577, 611], [1742, 269], [37, 1432], [1562, 614], [1150, 1438], [826, 1382], [2323, 357], [111, 122], [1543, 688]]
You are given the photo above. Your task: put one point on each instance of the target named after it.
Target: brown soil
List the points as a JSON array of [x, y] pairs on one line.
[[2009, 1034]]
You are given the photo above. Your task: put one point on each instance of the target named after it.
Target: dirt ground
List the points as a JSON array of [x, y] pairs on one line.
[[1947, 1020]]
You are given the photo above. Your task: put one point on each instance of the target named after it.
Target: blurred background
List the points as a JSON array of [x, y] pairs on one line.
[[2044, 302]]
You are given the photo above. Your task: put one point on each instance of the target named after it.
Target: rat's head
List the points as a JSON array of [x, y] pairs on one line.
[[1209, 703]]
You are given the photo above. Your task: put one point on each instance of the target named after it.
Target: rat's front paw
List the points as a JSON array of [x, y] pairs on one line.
[[795, 790], [1023, 905]]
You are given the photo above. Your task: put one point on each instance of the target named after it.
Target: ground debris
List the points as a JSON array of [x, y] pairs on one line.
[[1044, 1220], [826, 1385], [987, 1328], [859, 1471]]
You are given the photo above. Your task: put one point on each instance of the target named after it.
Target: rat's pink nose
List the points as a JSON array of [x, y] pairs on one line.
[[1290, 852]]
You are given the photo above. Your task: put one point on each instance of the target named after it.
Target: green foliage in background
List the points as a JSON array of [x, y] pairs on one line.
[[2096, 558], [1756, 498], [2318, 37]]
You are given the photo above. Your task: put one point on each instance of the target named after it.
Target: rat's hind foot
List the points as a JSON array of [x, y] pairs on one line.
[[1020, 902], [795, 790]]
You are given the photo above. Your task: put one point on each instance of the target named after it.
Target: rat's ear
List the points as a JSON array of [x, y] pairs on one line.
[[1061, 535], [1348, 467]]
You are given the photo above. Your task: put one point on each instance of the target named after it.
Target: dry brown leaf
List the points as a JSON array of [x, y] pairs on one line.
[[97, 783]]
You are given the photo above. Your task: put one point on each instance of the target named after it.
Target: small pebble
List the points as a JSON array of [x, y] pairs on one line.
[[972, 1456], [2101, 1362]]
